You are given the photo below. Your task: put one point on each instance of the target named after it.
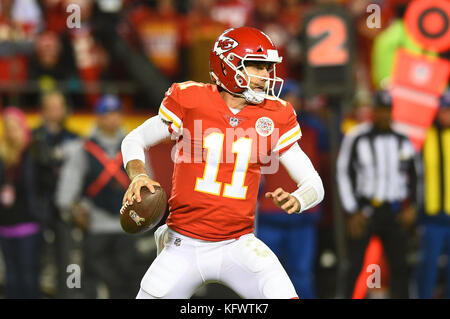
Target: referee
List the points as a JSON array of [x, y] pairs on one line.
[[376, 176]]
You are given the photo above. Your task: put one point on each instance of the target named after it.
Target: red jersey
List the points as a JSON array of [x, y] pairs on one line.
[[219, 156]]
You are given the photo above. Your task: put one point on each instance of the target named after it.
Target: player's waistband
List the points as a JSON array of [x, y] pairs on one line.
[[176, 239]]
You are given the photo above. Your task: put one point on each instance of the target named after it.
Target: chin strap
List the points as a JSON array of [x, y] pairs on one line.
[[249, 95], [254, 97]]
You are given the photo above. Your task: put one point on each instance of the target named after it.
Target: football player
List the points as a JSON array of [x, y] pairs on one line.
[[227, 133]]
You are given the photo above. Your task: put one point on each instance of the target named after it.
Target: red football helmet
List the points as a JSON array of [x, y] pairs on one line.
[[226, 63]]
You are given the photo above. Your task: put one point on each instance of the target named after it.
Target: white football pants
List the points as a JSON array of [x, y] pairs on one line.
[[246, 265]]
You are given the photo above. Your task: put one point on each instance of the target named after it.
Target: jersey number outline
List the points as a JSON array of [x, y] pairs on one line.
[[208, 183]]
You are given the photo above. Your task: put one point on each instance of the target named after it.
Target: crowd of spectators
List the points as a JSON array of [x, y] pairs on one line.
[[91, 50]]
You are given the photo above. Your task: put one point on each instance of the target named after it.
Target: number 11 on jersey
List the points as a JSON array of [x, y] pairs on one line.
[[209, 184]]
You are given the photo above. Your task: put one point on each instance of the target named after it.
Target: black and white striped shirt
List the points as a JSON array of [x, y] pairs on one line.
[[375, 166]]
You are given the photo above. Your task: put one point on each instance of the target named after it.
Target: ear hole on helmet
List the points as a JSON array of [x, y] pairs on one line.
[[224, 70], [240, 80]]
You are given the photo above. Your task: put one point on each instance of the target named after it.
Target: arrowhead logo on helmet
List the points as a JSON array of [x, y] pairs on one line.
[[224, 44]]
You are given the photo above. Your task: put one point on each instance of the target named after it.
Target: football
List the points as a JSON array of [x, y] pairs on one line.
[[140, 217]]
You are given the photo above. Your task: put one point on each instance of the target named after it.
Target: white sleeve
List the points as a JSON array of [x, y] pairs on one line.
[[149, 133], [310, 190]]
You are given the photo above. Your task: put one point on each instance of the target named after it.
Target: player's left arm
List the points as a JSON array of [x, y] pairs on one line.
[[310, 191]]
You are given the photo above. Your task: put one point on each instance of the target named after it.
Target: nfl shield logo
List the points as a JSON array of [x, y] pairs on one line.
[[234, 121]]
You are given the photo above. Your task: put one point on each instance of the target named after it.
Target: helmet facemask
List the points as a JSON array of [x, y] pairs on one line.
[[272, 85]]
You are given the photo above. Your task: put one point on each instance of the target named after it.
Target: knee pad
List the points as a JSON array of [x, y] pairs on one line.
[[163, 275], [143, 295], [257, 258], [278, 286], [253, 254]]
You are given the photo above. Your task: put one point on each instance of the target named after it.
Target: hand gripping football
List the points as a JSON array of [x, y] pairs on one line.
[[140, 217]]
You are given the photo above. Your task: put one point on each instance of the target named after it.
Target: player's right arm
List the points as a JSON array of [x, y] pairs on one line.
[[134, 146], [168, 123]]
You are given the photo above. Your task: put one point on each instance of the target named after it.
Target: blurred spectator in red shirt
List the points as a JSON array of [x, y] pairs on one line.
[[19, 22], [235, 13], [55, 15], [291, 18], [391, 9], [267, 17], [292, 13], [88, 53], [90, 57], [160, 35], [203, 30]]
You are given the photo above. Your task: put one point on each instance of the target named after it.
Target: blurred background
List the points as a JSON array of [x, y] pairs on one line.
[[79, 72]]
